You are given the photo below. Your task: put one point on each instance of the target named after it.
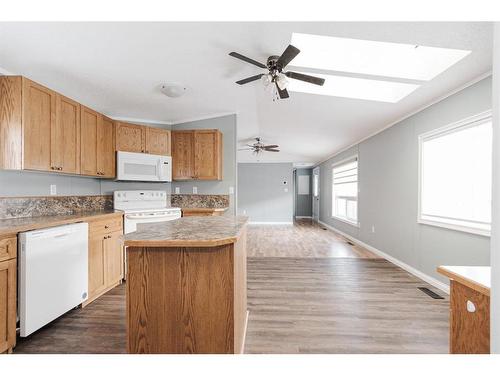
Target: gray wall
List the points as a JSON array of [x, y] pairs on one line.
[[388, 190], [227, 125], [24, 183], [261, 192], [303, 203]]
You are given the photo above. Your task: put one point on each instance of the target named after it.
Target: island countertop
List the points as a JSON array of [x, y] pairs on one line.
[[192, 231]]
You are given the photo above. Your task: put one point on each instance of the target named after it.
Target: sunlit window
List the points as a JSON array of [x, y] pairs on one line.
[[345, 191], [455, 175]]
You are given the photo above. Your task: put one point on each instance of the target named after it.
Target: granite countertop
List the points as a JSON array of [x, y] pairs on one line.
[[14, 226], [477, 278], [192, 231]]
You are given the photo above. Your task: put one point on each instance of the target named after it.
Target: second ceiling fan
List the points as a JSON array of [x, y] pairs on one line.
[[275, 74]]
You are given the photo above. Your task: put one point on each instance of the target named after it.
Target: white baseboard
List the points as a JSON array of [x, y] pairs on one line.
[[271, 222], [303, 217], [428, 279]]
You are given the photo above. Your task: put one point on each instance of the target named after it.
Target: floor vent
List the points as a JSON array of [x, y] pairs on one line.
[[324, 228], [350, 243], [430, 293]]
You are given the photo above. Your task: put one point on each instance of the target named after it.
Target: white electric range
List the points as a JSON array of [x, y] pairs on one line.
[[143, 206]]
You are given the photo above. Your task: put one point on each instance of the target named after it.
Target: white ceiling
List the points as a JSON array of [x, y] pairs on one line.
[[117, 68]]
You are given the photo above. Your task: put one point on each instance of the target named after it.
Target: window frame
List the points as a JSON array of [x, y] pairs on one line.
[[340, 218], [463, 124]]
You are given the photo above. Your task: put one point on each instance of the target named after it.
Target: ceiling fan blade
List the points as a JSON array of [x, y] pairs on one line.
[[247, 59], [271, 149], [305, 78], [282, 93], [271, 146], [249, 79], [287, 56]]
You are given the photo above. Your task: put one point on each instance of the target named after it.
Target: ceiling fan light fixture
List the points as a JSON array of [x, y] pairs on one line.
[[282, 82], [266, 79]]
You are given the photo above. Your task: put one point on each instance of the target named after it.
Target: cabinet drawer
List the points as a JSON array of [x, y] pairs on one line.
[[8, 248], [113, 224]]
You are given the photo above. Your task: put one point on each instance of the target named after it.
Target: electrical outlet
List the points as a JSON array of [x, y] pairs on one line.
[[286, 190], [373, 228], [177, 190], [195, 190], [53, 189], [231, 190]]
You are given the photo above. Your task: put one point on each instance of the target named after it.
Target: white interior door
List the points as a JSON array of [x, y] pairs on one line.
[[315, 194]]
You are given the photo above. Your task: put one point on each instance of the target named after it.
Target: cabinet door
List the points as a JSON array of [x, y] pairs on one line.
[[8, 290], [113, 251], [207, 155], [39, 114], [97, 265], [182, 155], [129, 137], [65, 136], [157, 141], [90, 121], [106, 148]]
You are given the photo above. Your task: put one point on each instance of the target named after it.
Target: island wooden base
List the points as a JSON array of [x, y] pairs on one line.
[[187, 299]]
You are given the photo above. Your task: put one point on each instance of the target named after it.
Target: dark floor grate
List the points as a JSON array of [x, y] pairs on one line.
[[350, 243], [430, 293]]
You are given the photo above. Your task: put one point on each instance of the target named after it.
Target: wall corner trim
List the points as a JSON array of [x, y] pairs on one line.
[[428, 279]]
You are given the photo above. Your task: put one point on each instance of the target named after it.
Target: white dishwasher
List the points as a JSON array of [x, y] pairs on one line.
[[53, 274]]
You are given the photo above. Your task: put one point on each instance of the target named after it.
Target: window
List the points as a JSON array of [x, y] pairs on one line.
[[345, 191], [315, 185], [455, 175]]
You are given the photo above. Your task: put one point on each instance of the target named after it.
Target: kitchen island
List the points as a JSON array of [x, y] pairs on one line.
[[186, 286]]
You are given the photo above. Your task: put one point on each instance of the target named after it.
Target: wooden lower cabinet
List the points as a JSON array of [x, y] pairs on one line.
[[8, 292], [469, 325], [106, 261]]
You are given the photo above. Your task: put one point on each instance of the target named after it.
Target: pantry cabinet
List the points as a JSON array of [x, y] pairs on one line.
[[144, 139], [8, 286], [197, 154]]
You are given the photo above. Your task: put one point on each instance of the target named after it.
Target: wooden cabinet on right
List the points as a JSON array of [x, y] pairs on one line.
[[197, 154], [145, 139], [105, 256]]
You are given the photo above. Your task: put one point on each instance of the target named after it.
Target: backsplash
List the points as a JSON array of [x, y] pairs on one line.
[[14, 207], [199, 201]]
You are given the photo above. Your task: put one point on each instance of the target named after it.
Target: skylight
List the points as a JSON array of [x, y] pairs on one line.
[[373, 58], [357, 88]]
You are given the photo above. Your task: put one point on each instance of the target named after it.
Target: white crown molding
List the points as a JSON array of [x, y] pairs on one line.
[[140, 120], [428, 279], [199, 118], [427, 105]]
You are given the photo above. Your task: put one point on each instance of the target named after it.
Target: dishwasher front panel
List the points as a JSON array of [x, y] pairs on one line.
[[53, 274]]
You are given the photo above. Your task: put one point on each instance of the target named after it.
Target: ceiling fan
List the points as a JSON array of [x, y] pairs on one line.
[[259, 147], [275, 74]]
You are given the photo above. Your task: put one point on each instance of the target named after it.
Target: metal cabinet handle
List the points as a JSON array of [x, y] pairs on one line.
[[106, 226]]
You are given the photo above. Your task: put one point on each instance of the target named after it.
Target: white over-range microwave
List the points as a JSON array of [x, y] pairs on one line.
[[132, 166]]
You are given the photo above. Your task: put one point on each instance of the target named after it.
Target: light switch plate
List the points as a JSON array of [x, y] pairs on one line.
[[286, 190], [177, 190], [195, 190], [53, 189], [231, 190]]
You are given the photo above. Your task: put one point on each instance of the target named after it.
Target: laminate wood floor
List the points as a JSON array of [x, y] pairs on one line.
[[302, 239], [321, 303]]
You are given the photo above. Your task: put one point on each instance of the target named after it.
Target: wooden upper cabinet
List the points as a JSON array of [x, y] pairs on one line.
[[106, 148], [183, 155], [139, 138], [90, 122], [129, 137], [157, 141], [197, 154], [11, 122], [65, 136], [208, 155], [39, 118]]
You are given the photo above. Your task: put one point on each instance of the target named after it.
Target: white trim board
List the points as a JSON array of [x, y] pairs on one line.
[[422, 276], [270, 222], [303, 217]]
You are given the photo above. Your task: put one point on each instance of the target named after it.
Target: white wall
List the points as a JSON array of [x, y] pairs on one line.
[[495, 227], [388, 184]]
